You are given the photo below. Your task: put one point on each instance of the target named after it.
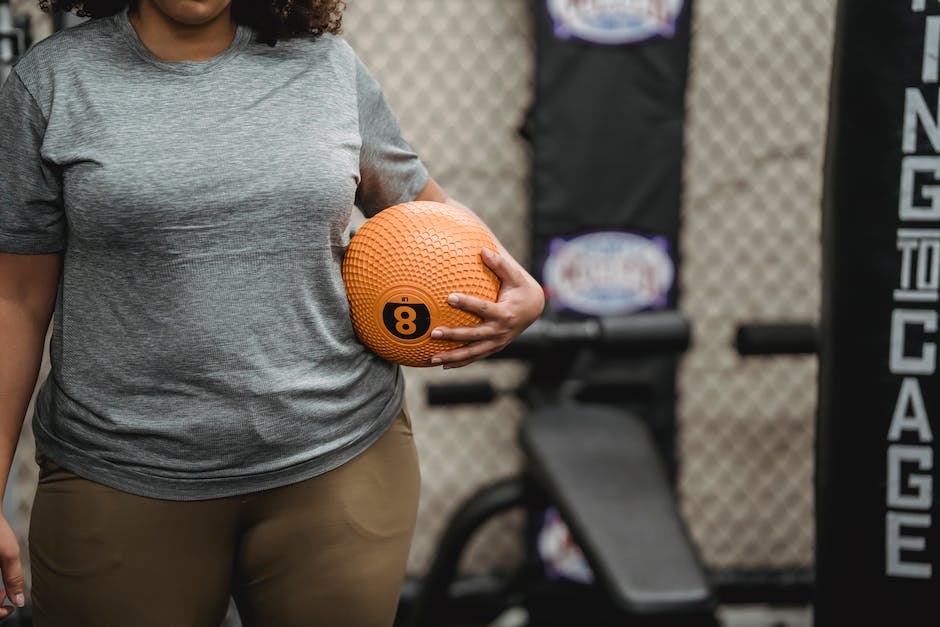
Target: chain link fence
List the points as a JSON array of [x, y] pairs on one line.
[[459, 74], [755, 134]]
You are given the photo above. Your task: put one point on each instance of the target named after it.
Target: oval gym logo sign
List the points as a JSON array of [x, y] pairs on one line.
[[608, 273], [614, 21]]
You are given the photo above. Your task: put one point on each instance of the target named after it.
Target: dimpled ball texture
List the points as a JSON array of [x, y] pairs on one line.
[[399, 269]]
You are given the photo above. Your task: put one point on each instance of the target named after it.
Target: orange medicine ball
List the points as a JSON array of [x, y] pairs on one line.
[[399, 269]]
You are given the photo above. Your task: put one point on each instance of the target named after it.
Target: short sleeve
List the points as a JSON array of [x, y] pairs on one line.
[[32, 220], [390, 171]]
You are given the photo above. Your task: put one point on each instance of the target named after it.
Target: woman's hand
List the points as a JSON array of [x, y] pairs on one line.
[[519, 303], [12, 570]]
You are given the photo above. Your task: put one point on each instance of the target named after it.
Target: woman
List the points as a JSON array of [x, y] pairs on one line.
[[176, 178]]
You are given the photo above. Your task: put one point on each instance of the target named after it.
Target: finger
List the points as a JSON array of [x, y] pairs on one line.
[[5, 610], [501, 267], [466, 353], [479, 333], [466, 362], [459, 364], [13, 579], [471, 304]]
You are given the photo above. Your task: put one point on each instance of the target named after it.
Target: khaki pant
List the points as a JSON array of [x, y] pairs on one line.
[[329, 551]]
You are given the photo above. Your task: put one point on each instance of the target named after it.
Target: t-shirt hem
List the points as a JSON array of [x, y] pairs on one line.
[[200, 488], [26, 245]]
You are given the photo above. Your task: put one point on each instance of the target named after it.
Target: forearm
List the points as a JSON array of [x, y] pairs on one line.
[[22, 335]]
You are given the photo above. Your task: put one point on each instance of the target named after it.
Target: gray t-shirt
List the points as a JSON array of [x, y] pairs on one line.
[[202, 345]]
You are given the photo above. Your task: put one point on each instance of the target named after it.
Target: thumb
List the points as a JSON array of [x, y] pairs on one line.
[[12, 570], [500, 266]]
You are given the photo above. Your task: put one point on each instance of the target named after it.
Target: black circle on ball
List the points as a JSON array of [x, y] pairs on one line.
[[407, 321]]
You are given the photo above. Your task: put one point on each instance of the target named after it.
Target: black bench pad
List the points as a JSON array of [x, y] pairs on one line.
[[600, 466]]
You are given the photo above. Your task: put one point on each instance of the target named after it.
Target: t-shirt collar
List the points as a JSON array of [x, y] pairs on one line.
[[239, 43]]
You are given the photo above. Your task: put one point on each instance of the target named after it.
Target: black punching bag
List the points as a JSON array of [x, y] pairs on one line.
[[877, 540]]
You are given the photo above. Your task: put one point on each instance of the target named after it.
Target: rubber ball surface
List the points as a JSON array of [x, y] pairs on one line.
[[399, 269]]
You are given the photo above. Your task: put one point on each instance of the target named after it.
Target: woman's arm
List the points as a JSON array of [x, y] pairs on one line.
[[519, 303], [28, 286]]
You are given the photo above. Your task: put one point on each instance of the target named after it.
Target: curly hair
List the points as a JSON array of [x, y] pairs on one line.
[[271, 19]]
